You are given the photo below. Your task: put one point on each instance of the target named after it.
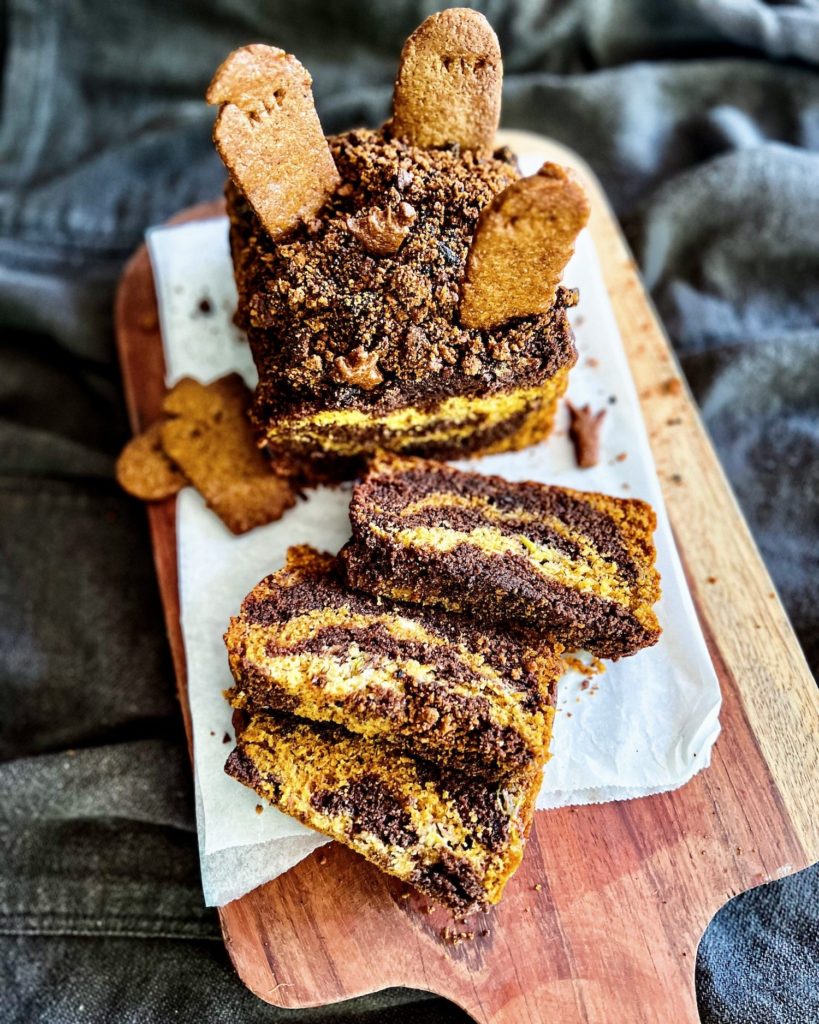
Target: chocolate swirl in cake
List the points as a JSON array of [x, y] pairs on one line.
[[577, 566], [457, 840]]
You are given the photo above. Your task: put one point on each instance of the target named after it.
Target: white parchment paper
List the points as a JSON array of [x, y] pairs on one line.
[[645, 726]]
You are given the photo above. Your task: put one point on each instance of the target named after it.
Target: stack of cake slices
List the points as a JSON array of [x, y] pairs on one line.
[[399, 697]]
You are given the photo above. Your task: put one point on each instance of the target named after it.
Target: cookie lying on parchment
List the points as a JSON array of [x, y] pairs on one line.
[[209, 436], [144, 470], [206, 440]]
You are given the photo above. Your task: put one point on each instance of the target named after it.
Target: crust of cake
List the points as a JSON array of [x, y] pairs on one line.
[[578, 566], [455, 838], [427, 681]]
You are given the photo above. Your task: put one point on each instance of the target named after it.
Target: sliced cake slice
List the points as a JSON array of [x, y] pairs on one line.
[[417, 678], [578, 567], [454, 837]]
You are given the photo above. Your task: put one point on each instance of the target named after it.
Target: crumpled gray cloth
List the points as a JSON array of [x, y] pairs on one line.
[[702, 121]]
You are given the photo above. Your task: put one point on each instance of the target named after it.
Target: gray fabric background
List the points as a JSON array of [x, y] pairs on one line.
[[702, 121]]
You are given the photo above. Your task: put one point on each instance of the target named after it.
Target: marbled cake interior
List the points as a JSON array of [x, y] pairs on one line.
[[456, 838], [417, 679], [578, 566], [334, 442]]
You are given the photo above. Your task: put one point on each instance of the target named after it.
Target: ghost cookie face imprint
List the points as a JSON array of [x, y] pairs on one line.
[[268, 134], [448, 88]]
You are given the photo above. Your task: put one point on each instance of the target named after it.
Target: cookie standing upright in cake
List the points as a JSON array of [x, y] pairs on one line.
[[377, 295]]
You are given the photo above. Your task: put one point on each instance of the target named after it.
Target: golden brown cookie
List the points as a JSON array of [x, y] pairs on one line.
[[522, 243], [269, 137], [449, 82], [191, 398], [144, 470], [210, 438]]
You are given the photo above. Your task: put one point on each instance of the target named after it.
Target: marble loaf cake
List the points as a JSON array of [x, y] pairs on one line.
[[420, 679], [456, 838], [359, 351], [399, 287], [576, 566]]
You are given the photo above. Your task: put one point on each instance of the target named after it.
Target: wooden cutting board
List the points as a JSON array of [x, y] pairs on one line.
[[603, 919]]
